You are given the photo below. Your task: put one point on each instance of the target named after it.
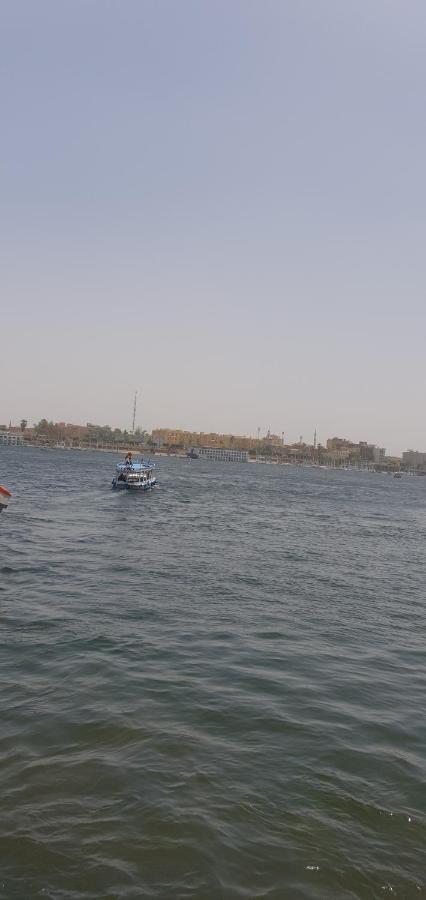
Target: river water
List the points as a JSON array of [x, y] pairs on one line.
[[215, 690]]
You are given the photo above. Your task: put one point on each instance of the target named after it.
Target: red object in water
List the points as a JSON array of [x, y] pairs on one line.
[[5, 496]]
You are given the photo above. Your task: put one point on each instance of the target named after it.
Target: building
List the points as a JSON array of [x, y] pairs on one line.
[[379, 454], [337, 455], [179, 439], [221, 455], [414, 459], [366, 452], [11, 438], [337, 443]]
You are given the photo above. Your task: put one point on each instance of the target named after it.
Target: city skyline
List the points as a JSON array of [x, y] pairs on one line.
[[186, 434], [221, 205]]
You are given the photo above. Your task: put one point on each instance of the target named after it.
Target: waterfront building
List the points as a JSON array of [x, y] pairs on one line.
[[222, 455], [180, 439], [337, 443], [379, 454], [11, 438], [173, 437], [414, 459], [337, 456], [366, 452]]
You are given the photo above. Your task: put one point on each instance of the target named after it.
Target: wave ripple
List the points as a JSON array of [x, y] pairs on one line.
[[216, 690]]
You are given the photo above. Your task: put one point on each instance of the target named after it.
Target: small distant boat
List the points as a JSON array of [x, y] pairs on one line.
[[5, 496], [136, 475], [192, 454], [397, 475]]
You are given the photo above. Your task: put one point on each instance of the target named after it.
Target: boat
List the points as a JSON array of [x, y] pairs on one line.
[[397, 475], [134, 475], [5, 496]]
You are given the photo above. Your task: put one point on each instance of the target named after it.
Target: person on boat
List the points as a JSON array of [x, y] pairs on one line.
[[128, 458]]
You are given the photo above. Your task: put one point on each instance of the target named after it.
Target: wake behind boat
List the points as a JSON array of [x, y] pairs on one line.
[[134, 475]]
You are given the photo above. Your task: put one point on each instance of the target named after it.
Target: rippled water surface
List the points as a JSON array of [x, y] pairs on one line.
[[216, 690]]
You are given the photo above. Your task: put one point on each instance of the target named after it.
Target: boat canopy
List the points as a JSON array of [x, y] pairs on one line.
[[135, 467]]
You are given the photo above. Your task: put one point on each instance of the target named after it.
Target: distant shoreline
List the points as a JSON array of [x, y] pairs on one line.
[[183, 455]]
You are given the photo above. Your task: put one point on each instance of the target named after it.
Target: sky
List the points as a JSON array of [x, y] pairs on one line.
[[220, 204]]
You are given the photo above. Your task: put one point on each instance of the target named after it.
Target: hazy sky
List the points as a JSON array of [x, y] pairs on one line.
[[221, 204]]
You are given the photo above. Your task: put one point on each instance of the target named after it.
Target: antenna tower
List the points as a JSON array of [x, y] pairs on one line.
[[134, 412]]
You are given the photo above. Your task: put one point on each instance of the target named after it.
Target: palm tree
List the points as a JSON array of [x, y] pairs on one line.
[[24, 424]]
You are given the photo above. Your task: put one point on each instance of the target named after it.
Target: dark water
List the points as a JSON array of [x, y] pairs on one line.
[[214, 690]]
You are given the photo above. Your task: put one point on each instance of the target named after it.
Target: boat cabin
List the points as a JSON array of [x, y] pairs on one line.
[[134, 475]]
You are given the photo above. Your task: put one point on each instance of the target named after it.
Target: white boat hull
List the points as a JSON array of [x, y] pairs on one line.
[[134, 486]]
